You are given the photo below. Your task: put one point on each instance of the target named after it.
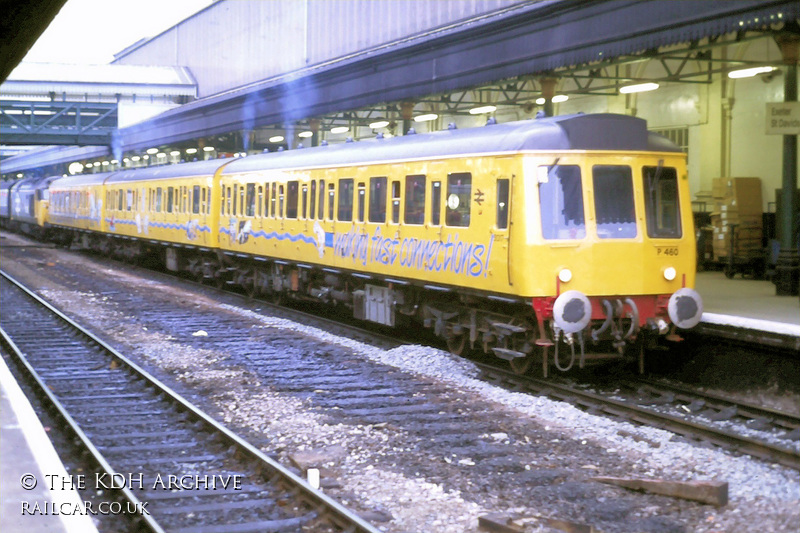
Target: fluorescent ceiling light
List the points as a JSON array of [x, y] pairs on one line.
[[208, 148], [483, 110], [540, 101], [749, 72], [152, 151], [340, 129], [276, 139], [557, 99], [638, 88], [426, 118], [306, 134], [175, 152], [191, 150], [135, 158], [379, 124]]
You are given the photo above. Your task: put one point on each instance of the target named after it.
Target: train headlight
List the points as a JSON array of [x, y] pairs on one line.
[[670, 273], [565, 275]]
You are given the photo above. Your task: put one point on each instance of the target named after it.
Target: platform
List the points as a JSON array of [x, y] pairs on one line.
[[25, 451], [749, 310]]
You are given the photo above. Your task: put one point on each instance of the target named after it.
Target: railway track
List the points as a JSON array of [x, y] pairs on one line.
[[178, 468], [694, 417]]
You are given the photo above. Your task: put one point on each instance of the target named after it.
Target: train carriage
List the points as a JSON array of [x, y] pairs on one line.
[[77, 203], [28, 204], [478, 233], [176, 205]]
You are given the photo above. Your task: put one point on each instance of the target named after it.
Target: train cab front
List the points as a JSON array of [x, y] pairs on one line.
[[618, 243]]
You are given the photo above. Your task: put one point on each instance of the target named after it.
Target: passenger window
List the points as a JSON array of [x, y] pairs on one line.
[[313, 208], [196, 199], [661, 202], [345, 210], [436, 203], [459, 196], [291, 199], [362, 193], [561, 202], [396, 202], [120, 200], [129, 200], [260, 200], [235, 199], [321, 212], [170, 199], [251, 200], [502, 204], [377, 199], [241, 201], [158, 199], [228, 201], [331, 198], [208, 200], [415, 200], [280, 200], [613, 201], [274, 200], [304, 201]]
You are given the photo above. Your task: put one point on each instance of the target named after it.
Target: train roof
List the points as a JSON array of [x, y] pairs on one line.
[[195, 168], [28, 184], [568, 132]]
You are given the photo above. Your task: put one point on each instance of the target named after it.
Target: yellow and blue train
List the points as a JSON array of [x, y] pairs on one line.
[[545, 240]]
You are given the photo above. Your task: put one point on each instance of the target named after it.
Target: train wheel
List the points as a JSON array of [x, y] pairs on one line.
[[523, 342], [458, 344]]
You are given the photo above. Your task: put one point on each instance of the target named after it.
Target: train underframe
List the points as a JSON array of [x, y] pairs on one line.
[[565, 332]]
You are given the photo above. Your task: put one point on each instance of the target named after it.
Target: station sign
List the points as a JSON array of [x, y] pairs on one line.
[[783, 118]]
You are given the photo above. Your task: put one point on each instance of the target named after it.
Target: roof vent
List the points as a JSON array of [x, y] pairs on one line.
[[324, 143], [280, 148], [300, 145], [411, 131], [541, 114], [379, 136], [452, 126], [265, 151], [348, 140], [491, 121]]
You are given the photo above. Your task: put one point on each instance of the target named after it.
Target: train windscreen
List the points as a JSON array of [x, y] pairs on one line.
[[613, 202], [661, 202], [561, 202]]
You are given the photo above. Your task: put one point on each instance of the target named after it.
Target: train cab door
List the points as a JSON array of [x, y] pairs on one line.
[[503, 184]]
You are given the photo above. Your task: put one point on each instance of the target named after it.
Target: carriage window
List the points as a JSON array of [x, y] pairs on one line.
[[207, 199], [304, 201], [196, 199], [281, 197], [274, 200], [235, 199], [120, 200], [436, 203], [661, 202], [415, 200], [260, 199], [321, 212], [331, 197], [613, 201], [459, 194], [561, 202], [362, 193], [502, 204], [377, 199], [345, 210], [313, 209], [291, 199], [158, 199], [170, 199], [241, 201], [129, 201], [395, 202], [250, 200]]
